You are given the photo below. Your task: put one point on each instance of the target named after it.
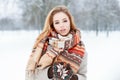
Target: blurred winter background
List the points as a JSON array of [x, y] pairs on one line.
[[21, 21]]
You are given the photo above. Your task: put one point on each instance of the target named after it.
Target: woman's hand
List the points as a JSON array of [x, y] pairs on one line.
[[62, 71]]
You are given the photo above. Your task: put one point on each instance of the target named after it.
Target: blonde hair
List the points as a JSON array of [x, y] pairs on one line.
[[48, 26]]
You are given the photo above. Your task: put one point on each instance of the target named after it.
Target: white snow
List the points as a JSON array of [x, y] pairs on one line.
[[103, 54]]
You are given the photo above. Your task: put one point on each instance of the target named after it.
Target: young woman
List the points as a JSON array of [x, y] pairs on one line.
[[58, 53]]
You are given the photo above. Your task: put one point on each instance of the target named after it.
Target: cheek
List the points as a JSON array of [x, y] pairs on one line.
[[56, 27], [67, 25]]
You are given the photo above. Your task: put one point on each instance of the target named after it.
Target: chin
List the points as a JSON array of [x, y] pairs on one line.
[[64, 34]]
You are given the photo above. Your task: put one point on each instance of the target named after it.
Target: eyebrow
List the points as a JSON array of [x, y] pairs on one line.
[[62, 19], [56, 20]]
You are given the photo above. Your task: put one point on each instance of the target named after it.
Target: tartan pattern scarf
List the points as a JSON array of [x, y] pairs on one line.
[[44, 55]]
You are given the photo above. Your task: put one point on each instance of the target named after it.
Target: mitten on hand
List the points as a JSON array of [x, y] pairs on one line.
[[50, 72], [74, 77], [61, 71]]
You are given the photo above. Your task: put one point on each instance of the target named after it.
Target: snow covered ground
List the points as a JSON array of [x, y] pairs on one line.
[[103, 54]]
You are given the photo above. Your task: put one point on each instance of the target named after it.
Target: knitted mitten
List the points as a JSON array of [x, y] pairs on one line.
[[61, 71]]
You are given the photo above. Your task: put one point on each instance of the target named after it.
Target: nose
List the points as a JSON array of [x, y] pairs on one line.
[[61, 25]]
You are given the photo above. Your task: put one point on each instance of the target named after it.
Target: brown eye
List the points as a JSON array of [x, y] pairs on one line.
[[56, 22], [65, 21]]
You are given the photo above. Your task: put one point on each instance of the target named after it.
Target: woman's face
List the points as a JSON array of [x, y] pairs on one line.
[[61, 23]]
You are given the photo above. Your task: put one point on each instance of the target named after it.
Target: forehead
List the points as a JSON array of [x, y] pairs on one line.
[[60, 15]]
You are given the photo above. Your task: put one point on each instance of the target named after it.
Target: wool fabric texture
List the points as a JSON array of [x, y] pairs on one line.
[[45, 55]]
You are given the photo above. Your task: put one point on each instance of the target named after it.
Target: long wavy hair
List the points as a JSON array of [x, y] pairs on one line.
[[48, 26]]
